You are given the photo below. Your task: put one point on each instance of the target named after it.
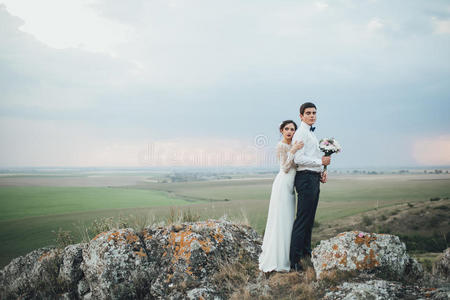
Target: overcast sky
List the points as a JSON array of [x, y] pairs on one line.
[[161, 82]]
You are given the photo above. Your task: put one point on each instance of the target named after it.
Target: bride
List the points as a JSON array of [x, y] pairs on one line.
[[277, 236]]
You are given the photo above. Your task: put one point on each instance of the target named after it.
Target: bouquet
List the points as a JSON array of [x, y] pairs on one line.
[[329, 146]]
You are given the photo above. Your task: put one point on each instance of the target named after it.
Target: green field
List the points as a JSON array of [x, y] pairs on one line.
[[27, 201], [340, 197], [29, 214]]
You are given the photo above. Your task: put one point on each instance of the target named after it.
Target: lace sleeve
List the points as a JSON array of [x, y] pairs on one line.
[[285, 157]]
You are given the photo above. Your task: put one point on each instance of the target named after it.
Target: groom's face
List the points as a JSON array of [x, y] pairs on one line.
[[309, 116]]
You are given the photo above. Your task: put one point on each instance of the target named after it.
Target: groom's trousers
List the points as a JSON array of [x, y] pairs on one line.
[[307, 184]]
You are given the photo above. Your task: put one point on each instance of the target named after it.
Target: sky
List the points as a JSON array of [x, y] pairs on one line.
[[143, 83]]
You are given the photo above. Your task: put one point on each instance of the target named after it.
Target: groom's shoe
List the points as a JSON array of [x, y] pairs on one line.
[[296, 267]]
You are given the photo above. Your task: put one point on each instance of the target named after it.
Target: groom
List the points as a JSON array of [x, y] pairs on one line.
[[309, 161]]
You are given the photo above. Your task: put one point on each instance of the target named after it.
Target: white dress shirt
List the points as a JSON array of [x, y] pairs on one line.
[[310, 156]]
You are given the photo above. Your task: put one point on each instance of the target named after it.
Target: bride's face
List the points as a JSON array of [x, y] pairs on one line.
[[288, 131]]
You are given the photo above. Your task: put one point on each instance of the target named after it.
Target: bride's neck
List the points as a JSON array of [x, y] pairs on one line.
[[287, 141]]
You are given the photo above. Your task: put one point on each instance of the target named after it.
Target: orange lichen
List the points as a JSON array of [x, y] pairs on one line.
[[369, 261], [343, 261], [99, 235], [218, 236], [169, 277], [188, 270], [180, 243], [115, 236], [132, 238], [141, 252], [324, 265], [335, 247], [337, 255], [123, 237], [367, 239], [44, 255], [147, 236]]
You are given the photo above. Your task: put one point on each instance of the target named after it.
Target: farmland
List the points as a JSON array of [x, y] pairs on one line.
[[32, 207]]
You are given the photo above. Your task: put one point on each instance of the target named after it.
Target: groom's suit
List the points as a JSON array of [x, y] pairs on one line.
[[307, 184]]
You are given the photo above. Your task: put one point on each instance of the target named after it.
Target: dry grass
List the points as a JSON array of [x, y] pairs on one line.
[[278, 285], [236, 277]]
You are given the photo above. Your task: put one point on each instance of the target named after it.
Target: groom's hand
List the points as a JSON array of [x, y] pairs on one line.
[[324, 177], [326, 160]]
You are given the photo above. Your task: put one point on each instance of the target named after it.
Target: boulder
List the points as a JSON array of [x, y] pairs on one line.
[[357, 251], [34, 274], [185, 257], [205, 260], [172, 262], [385, 290], [441, 267], [70, 270], [114, 263]]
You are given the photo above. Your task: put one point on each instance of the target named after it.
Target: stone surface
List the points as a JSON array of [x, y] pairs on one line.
[[359, 251], [441, 268], [114, 263], [383, 290], [83, 287], [29, 274], [187, 256], [70, 271], [177, 262], [186, 261]]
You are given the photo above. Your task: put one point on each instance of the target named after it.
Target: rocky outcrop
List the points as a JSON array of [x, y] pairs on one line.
[[177, 262], [210, 260], [33, 274], [441, 268], [358, 251], [382, 289]]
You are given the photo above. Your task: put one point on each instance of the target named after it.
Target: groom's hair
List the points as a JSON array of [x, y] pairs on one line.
[[305, 106]]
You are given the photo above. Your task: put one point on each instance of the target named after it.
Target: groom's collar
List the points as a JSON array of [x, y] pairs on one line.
[[304, 125]]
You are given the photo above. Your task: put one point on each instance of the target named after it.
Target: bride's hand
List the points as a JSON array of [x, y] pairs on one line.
[[296, 146]]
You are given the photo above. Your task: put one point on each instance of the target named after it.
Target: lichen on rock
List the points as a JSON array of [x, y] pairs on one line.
[[360, 251]]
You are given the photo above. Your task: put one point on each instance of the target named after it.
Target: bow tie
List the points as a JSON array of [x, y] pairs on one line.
[[312, 129]]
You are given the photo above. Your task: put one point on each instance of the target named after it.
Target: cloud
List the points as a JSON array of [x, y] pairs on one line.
[[375, 24], [68, 143], [441, 26], [432, 151], [78, 25], [37, 76], [219, 70], [321, 5]]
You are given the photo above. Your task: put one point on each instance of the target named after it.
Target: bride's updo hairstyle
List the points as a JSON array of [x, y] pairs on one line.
[[284, 123]]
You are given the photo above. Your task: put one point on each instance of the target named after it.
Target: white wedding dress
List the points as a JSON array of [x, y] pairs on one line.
[[277, 236]]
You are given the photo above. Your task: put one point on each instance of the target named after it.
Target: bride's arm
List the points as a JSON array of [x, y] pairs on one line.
[[286, 157]]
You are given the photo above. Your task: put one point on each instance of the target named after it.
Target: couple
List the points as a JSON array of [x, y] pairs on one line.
[[287, 241]]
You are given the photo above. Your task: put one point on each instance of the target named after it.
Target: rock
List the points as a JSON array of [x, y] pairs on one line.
[[31, 275], [383, 290], [441, 268], [176, 262], [70, 272], [207, 260], [373, 289], [354, 250], [186, 257], [113, 263], [82, 287]]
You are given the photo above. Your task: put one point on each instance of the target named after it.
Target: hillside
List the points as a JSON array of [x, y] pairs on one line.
[[217, 259]]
